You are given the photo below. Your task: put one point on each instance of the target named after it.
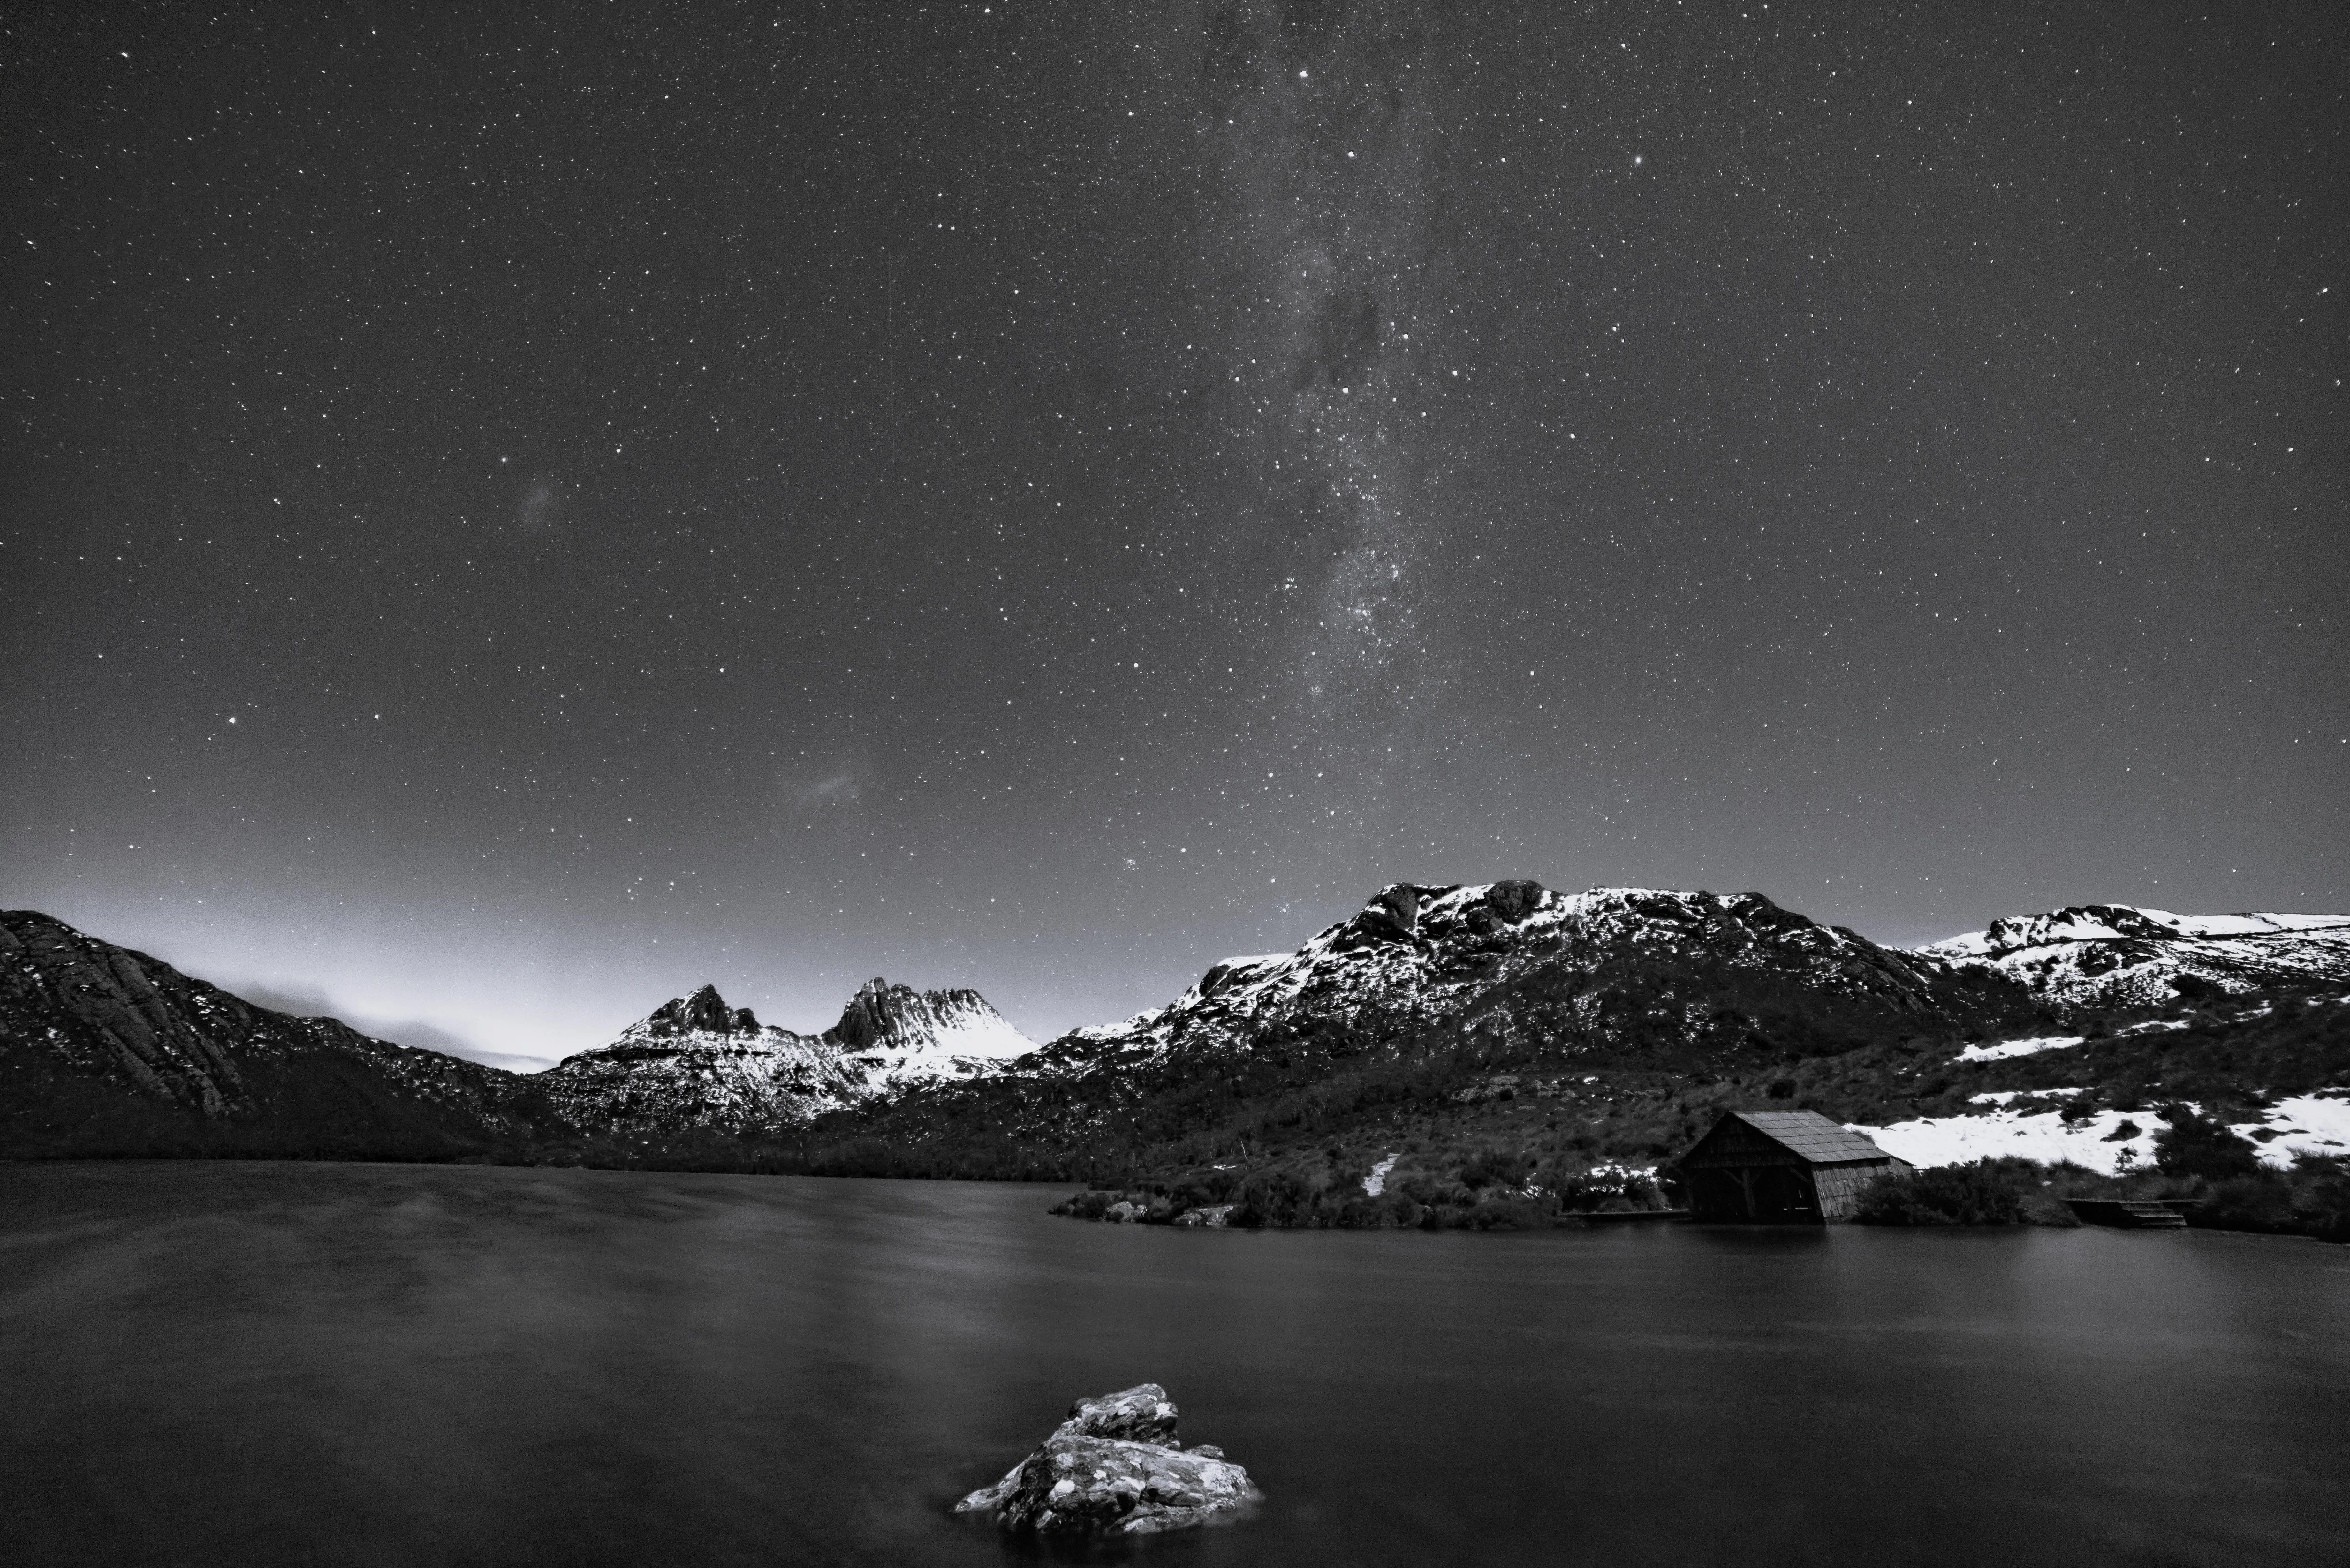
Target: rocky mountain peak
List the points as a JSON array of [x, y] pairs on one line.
[[1413, 914], [878, 1011], [703, 1012], [883, 1016]]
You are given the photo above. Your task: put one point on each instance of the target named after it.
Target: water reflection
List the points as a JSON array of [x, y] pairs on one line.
[[240, 1363]]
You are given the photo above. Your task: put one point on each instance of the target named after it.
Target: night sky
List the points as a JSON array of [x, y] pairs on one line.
[[507, 517]]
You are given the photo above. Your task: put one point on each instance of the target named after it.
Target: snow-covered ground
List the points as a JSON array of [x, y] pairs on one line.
[[2018, 1047], [2064, 1042], [2314, 1123]]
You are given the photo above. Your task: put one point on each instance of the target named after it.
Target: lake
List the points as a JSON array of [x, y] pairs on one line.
[[252, 1364]]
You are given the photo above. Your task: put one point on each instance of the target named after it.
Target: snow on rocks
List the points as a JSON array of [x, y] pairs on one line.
[[1114, 1467], [2119, 955]]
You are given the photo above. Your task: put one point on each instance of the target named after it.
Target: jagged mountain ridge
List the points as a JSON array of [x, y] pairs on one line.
[[2091, 956], [104, 1050], [696, 1063]]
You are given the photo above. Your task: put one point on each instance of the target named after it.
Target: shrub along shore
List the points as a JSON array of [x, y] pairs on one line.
[[2196, 1158]]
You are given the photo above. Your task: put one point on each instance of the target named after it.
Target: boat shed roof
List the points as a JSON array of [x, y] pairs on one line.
[[1812, 1135]]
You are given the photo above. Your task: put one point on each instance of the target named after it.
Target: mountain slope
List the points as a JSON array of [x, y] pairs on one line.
[[1611, 964], [2119, 956], [1423, 1001], [105, 1050]]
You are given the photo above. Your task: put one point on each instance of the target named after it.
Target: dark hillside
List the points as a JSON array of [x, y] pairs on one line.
[[107, 1052]]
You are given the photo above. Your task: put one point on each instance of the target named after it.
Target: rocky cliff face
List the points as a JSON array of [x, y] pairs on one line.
[[108, 1051], [2119, 956], [696, 1063]]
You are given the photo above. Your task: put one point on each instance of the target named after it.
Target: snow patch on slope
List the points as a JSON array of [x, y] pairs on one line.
[[2305, 1123], [2007, 1048]]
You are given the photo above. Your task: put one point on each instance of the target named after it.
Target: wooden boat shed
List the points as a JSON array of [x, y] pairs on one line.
[[1779, 1167]]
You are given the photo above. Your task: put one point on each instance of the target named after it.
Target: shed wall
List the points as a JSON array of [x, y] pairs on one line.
[[1839, 1186]]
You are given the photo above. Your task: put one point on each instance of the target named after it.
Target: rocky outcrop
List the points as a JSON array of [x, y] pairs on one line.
[[1114, 1467], [703, 1012]]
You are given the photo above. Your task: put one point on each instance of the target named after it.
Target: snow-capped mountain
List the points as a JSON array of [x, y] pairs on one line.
[[2117, 955], [1514, 957], [697, 1063], [896, 1037]]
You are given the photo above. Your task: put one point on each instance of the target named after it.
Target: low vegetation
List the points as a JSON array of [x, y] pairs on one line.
[[2214, 1173], [1976, 1194], [1492, 1192]]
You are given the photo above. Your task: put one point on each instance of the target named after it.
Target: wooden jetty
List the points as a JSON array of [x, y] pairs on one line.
[[2132, 1213]]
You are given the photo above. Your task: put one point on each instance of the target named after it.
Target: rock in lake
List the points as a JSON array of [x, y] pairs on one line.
[[1114, 1467]]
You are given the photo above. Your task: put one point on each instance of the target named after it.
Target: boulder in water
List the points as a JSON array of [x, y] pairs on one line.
[[1114, 1467]]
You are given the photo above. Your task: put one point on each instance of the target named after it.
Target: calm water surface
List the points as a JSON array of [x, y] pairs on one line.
[[302, 1364]]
